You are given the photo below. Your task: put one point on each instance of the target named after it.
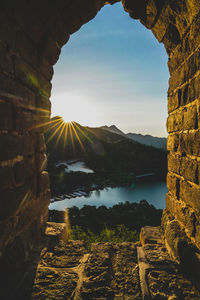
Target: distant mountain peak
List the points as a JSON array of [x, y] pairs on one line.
[[149, 140], [113, 129], [113, 126]]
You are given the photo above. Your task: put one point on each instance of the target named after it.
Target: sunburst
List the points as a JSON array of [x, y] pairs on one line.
[[65, 131], [60, 130]]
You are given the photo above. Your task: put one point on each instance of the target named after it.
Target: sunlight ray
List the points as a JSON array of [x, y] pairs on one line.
[[87, 137], [72, 138], [78, 138], [89, 130], [42, 109], [54, 133], [60, 134], [46, 123], [66, 131]]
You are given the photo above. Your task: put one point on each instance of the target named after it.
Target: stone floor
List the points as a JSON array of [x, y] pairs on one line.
[[110, 271]]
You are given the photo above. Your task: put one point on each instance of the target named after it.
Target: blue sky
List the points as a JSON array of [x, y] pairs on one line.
[[113, 71]]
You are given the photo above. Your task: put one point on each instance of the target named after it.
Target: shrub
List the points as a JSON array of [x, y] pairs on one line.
[[117, 235]]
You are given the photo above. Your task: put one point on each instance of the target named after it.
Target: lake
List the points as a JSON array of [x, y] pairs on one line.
[[74, 166], [151, 190]]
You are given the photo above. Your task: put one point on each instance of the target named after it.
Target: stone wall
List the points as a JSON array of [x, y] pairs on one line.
[[176, 24], [31, 36]]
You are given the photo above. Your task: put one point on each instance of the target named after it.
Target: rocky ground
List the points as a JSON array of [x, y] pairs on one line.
[[65, 270]]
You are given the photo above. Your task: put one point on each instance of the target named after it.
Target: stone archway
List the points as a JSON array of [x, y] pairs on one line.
[[31, 37]]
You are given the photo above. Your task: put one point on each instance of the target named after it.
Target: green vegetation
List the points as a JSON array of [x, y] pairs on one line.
[[119, 223], [116, 235], [132, 215], [94, 219]]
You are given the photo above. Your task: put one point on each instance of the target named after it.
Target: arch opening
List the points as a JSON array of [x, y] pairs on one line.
[[35, 33], [113, 84]]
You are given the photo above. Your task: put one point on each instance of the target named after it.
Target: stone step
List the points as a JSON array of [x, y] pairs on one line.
[[160, 276], [128, 271], [110, 271]]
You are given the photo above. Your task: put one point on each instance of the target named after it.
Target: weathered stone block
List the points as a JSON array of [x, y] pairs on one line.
[[43, 182], [14, 145], [16, 176], [43, 105], [173, 185], [50, 50], [189, 169], [14, 92], [198, 172], [30, 120], [190, 194], [183, 213], [193, 89], [190, 117], [173, 142], [32, 211], [152, 10], [184, 95], [184, 73], [40, 143], [181, 248], [41, 162], [187, 46], [171, 38], [6, 60], [173, 102], [6, 116], [24, 120], [6, 177], [184, 99], [11, 200], [5, 228], [23, 170], [197, 235], [150, 235], [189, 143], [179, 13], [177, 78], [28, 51], [192, 65], [31, 78], [161, 26], [175, 122], [57, 231], [174, 163]]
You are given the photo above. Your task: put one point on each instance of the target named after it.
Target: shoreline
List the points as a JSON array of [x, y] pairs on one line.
[[84, 191]]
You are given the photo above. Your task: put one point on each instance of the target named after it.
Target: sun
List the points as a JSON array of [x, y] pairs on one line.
[[66, 119], [75, 106]]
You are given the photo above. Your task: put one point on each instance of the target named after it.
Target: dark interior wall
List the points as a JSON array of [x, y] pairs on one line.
[[32, 33]]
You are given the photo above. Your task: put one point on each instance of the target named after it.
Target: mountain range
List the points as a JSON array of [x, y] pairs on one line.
[[112, 155], [105, 149], [149, 140]]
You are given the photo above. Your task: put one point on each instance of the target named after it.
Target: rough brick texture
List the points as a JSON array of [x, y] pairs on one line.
[[31, 36]]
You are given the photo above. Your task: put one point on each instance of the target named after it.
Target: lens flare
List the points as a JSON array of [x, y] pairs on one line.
[[67, 132]]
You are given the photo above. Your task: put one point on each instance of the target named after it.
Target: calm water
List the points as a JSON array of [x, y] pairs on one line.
[[77, 166], [152, 191]]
